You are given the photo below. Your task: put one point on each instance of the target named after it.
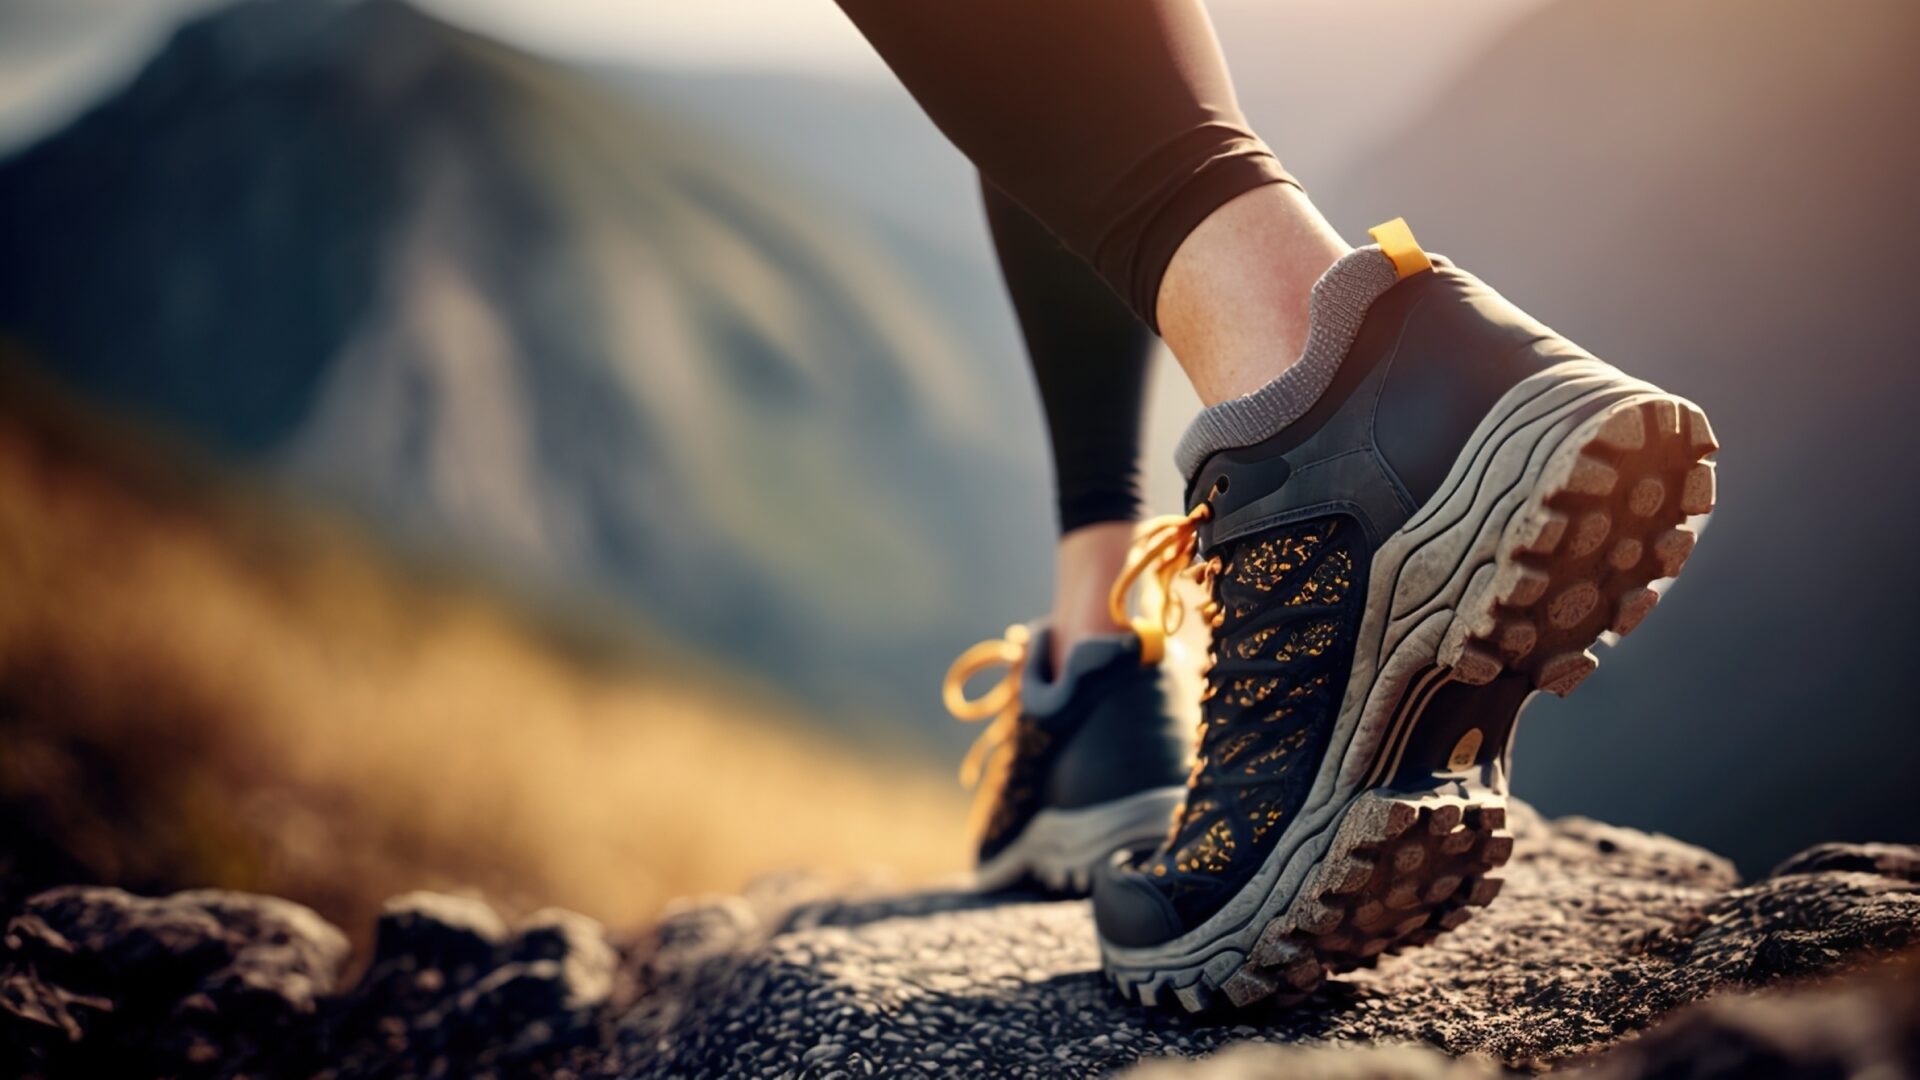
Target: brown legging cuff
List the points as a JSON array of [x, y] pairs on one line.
[[1113, 122]]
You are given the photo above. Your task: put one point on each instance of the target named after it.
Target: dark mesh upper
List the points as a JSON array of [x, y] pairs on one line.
[[1032, 754], [1290, 603]]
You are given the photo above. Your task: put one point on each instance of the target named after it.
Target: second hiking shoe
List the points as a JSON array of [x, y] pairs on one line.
[[1074, 765]]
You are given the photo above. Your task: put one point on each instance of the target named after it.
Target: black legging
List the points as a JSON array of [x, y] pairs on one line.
[[1112, 121], [1114, 124], [1089, 358]]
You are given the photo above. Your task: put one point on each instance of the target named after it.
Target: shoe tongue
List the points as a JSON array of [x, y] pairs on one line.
[[1044, 692], [1337, 308]]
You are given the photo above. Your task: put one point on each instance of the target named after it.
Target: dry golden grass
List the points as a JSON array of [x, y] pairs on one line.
[[195, 690]]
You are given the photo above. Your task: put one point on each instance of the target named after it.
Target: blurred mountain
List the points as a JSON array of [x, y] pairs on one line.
[[467, 292], [865, 146], [1715, 195]]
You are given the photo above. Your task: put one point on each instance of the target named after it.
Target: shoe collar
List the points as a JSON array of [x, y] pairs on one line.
[[1044, 692]]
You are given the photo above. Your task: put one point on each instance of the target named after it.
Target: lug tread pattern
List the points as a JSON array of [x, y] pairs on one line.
[[1401, 871], [1606, 519]]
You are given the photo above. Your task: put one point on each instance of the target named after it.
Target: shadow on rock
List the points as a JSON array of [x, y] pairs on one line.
[[918, 905]]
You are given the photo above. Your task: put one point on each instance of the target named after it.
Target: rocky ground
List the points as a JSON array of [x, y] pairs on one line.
[[1601, 933]]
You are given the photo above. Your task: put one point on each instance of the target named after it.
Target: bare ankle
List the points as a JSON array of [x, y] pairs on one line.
[[1085, 563], [1233, 305]]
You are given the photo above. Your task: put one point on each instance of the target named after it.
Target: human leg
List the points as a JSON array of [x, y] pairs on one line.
[[1082, 755], [1089, 356]]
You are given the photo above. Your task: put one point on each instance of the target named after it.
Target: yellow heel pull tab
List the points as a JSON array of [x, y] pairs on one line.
[[1397, 243]]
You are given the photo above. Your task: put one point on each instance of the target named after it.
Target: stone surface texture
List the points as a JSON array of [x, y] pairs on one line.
[[1610, 950], [1599, 933], [96, 982], [194, 977]]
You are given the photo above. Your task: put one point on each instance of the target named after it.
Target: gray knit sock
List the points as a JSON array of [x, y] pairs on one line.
[[1340, 301]]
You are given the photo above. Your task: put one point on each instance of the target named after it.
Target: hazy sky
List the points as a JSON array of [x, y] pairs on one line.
[[56, 56]]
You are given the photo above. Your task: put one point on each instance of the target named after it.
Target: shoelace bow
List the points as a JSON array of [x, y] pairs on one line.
[[1163, 550], [989, 761]]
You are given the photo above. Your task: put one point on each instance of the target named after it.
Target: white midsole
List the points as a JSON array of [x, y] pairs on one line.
[[1059, 847], [1415, 579]]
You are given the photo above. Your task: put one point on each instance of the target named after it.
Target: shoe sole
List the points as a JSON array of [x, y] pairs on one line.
[[1059, 849], [1569, 501]]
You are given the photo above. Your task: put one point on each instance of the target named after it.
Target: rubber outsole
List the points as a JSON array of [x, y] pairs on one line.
[[1605, 517]]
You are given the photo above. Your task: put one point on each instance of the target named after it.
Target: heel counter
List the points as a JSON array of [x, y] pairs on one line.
[[1124, 743], [1455, 355]]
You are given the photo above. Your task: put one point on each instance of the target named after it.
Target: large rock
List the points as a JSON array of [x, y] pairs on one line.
[[452, 987], [99, 981], [1600, 932]]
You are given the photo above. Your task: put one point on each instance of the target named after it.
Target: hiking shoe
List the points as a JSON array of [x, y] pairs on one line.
[[1470, 503], [1073, 766]]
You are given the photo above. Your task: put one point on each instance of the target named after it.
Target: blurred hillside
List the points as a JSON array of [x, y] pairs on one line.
[[1713, 194], [495, 310], [202, 686]]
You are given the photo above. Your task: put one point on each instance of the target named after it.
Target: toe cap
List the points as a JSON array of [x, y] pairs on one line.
[[1130, 912]]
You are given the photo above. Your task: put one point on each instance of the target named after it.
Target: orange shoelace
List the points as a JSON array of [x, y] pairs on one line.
[[990, 760], [1163, 550]]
